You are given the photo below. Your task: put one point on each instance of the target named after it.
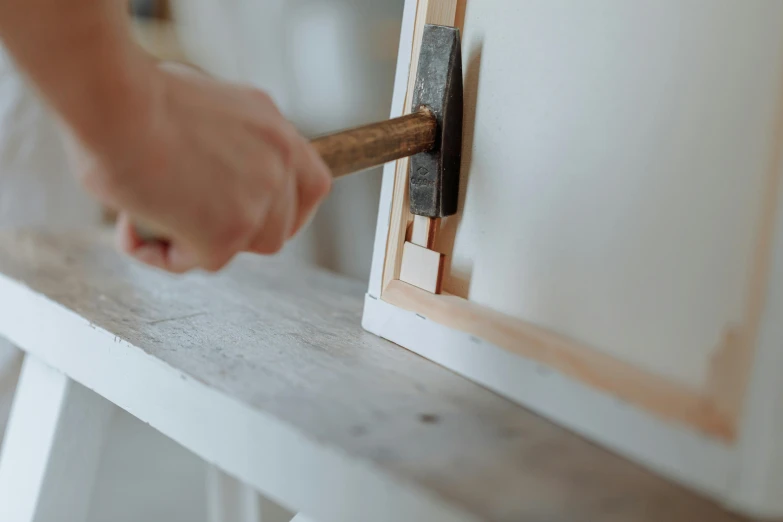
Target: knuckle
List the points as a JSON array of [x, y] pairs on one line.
[[275, 180], [179, 269], [283, 139], [272, 181], [316, 189], [221, 252], [236, 233], [270, 245], [97, 180], [122, 239], [277, 244], [230, 239], [323, 185], [215, 262], [261, 96], [264, 102]]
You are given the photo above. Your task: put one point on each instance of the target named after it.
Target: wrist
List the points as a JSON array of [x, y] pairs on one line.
[[120, 105]]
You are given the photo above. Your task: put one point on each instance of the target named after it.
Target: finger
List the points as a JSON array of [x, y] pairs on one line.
[[128, 241], [314, 181], [278, 222], [126, 237], [181, 258], [172, 257]]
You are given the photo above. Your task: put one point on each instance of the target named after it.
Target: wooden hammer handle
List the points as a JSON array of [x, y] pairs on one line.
[[357, 149], [375, 144]]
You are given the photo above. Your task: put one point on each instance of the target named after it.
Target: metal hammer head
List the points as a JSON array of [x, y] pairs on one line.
[[434, 175]]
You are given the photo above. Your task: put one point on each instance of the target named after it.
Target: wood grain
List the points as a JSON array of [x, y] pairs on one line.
[[440, 12], [660, 396], [423, 231], [422, 268], [284, 342], [371, 145]]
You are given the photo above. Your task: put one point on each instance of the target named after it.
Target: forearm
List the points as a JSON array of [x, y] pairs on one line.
[[81, 57]]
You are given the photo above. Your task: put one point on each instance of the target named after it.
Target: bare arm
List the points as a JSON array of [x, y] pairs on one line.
[[214, 165], [82, 59]]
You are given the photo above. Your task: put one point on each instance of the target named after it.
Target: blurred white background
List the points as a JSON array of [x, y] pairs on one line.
[[329, 64]]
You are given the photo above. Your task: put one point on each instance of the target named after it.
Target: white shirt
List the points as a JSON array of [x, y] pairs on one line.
[[36, 185]]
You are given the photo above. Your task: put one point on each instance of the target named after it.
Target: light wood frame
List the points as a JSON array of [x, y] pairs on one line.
[[709, 420], [714, 410]]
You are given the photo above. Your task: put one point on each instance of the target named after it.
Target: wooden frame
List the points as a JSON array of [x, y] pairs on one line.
[[694, 432], [714, 410]]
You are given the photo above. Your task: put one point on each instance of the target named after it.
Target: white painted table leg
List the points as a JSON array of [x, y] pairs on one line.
[[52, 448], [231, 500]]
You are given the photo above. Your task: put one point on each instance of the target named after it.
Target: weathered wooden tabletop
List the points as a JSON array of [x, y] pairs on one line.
[[285, 342]]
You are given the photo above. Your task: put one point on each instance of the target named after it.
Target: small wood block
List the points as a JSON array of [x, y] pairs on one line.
[[423, 231], [421, 267]]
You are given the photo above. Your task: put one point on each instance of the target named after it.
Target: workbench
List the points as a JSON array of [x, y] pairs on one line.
[[265, 371]]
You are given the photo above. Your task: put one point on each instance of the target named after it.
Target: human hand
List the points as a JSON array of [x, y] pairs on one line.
[[213, 166]]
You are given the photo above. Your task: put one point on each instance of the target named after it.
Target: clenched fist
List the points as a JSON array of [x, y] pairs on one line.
[[213, 166]]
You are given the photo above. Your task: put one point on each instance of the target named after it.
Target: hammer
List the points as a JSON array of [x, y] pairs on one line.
[[431, 134]]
